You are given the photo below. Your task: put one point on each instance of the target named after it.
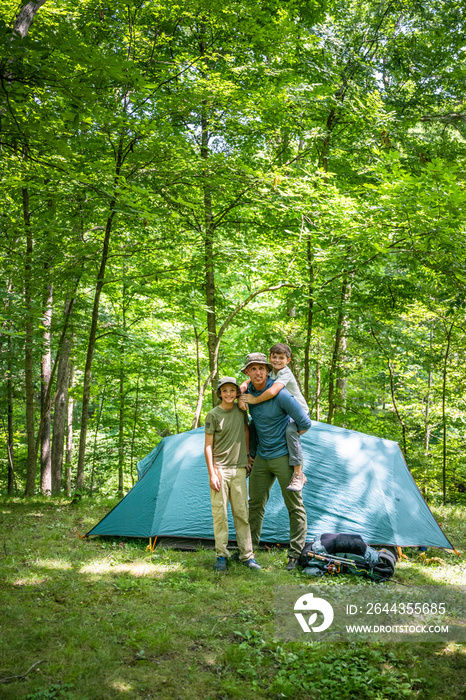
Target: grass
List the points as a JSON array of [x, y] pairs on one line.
[[107, 619]]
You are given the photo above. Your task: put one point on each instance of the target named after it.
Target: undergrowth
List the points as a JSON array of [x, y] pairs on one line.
[[103, 619]]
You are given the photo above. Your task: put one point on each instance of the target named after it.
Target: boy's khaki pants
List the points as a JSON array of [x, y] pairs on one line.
[[233, 488]]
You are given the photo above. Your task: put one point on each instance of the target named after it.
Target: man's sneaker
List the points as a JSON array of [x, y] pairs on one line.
[[220, 564], [251, 564], [292, 564], [297, 482]]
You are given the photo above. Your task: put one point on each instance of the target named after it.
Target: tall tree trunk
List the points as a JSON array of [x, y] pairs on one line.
[[60, 415], [210, 283], [10, 429], [427, 425], [393, 393], [133, 436], [197, 336], [310, 316], [318, 383], [28, 354], [341, 381], [46, 397], [25, 17], [96, 435], [329, 127], [69, 429], [209, 268], [334, 397], [93, 330], [444, 415], [222, 330], [90, 353], [121, 415], [175, 408]]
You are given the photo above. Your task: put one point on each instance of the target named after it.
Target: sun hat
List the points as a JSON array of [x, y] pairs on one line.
[[226, 380], [257, 358]]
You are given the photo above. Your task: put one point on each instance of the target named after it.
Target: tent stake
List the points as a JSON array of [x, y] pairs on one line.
[[81, 537], [400, 554]]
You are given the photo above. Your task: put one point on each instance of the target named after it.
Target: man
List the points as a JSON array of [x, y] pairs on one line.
[[271, 455]]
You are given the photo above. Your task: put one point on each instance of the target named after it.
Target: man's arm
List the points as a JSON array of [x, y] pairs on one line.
[[244, 386], [214, 481], [289, 404], [265, 396]]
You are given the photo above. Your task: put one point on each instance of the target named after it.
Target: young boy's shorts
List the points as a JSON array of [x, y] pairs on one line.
[[293, 441]]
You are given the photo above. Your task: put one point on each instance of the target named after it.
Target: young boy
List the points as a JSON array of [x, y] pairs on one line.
[[280, 356], [226, 455]]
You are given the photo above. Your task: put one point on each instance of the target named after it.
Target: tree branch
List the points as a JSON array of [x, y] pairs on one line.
[[25, 18], [222, 330]]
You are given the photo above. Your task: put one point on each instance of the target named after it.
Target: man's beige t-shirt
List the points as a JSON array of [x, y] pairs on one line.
[[227, 427]]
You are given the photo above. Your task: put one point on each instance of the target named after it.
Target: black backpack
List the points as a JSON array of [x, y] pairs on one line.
[[342, 553]]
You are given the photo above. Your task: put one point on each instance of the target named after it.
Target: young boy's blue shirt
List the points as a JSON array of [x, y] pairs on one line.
[[271, 418]]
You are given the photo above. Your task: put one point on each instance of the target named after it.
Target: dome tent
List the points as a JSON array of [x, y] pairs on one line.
[[357, 483]]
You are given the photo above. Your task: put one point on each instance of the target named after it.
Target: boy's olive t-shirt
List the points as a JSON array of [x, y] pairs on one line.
[[227, 427]]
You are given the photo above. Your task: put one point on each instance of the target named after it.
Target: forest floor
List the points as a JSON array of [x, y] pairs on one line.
[[103, 619]]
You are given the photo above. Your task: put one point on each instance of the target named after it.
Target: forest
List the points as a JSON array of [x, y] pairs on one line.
[[184, 183]]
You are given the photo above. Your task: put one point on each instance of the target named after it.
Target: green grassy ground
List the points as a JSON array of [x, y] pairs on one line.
[[109, 620]]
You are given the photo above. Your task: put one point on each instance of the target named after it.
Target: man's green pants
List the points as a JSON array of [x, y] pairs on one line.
[[264, 473]]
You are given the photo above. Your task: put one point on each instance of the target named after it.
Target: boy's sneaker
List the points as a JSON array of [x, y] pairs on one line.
[[292, 564], [251, 564], [220, 564], [297, 482]]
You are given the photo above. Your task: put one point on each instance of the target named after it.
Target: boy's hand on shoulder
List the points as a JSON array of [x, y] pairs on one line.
[[248, 398], [242, 403]]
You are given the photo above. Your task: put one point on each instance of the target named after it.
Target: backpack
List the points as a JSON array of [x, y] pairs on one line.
[[333, 553]]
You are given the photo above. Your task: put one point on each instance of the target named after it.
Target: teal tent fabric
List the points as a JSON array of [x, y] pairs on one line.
[[357, 483]]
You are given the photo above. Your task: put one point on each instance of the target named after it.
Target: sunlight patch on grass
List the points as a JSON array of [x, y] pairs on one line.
[[167, 568], [452, 648], [53, 564], [446, 575], [122, 687], [32, 581], [454, 576], [136, 569]]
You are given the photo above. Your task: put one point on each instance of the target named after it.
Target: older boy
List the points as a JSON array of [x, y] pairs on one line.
[[226, 455], [283, 377]]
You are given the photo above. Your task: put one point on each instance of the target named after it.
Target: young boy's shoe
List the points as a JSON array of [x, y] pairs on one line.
[[297, 482], [251, 564], [292, 564], [220, 564]]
